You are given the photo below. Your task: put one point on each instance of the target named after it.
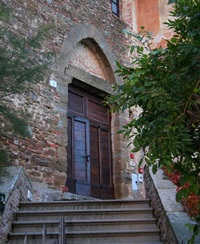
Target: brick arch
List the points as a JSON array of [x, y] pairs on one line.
[[87, 35]]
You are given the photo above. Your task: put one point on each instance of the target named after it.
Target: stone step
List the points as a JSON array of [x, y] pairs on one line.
[[85, 225], [134, 236], [113, 236], [125, 213], [86, 204], [88, 221], [32, 238]]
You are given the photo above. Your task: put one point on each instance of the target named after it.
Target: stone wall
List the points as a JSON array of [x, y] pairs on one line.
[[87, 40], [171, 217], [15, 184], [44, 155], [163, 223]]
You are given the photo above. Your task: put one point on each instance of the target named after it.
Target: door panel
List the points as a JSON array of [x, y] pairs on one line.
[[105, 159], [76, 103], [96, 111], [101, 170], [89, 147], [95, 162], [80, 151], [94, 155], [78, 173]]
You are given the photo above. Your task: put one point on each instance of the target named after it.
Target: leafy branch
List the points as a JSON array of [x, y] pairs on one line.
[[165, 84], [23, 62]]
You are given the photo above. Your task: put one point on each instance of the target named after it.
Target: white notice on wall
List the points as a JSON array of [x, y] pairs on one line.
[[134, 182], [53, 83]]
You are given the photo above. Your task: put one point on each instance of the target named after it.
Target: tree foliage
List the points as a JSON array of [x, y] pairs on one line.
[[23, 61], [165, 83]]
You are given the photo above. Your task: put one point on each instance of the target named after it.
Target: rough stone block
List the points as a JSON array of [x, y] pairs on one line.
[[59, 179]]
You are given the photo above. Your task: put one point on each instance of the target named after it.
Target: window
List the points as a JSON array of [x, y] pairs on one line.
[[115, 7]]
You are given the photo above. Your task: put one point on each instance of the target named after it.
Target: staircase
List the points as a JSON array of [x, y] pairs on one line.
[[81, 222]]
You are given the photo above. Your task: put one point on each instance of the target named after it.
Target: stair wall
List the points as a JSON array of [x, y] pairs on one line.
[[15, 184]]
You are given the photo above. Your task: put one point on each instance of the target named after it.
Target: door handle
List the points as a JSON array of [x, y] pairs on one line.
[[87, 157]]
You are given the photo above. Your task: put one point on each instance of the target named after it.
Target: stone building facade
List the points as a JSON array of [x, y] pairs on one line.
[[88, 38]]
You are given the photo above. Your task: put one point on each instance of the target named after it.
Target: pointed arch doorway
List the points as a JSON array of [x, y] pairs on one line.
[[89, 145]]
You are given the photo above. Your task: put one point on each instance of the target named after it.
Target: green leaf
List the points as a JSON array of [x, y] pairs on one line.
[[165, 84], [118, 65], [23, 62], [154, 168], [3, 156], [172, 1], [179, 196]]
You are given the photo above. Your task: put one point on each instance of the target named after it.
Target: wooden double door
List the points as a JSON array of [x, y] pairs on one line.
[[89, 170]]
